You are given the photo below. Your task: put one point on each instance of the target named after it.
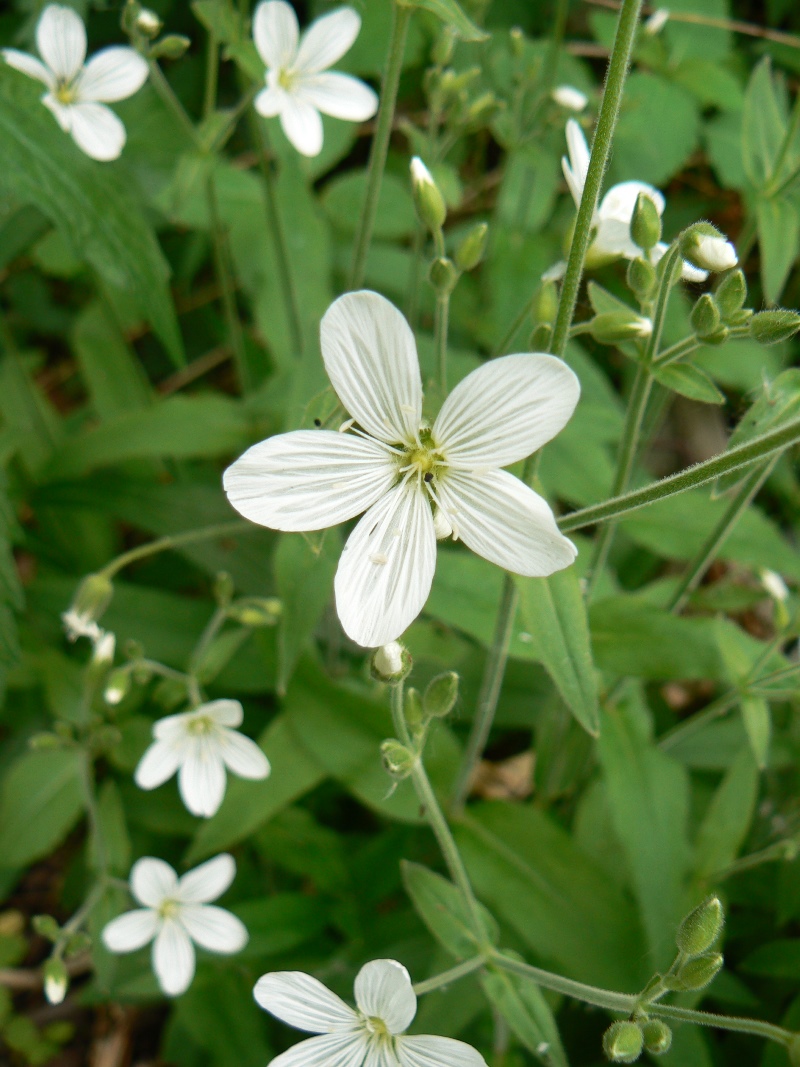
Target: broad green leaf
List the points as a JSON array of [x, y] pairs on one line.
[[280, 922], [778, 402], [111, 371], [763, 127], [110, 850], [778, 240], [452, 16], [637, 153], [712, 84], [218, 17], [441, 907], [343, 201], [41, 799], [554, 612], [689, 381], [605, 303], [776, 959], [727, 820], [524, 1008], [757, 721]]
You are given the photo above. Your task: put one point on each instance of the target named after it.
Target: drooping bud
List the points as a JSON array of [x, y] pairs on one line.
[[705, 247], [56, 980], [255, 611], [471, 248], [173, 46], [540, 338], [398, 761], [567, 96], [657, 1036], [443, 275], [118, 686], [645, 223], [482, 108], [391, 663], [623, 1042], [701, 927], [698, 973], [731, 294], [91, 600], [441, 695], [641, 278], [428, 200], [148, 23], [772, 327], [705, 317], [46, 926], [613, 327]]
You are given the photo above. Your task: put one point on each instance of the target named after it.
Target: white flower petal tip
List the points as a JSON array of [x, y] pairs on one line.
[[567, 96], [713, 253], [303, 1002], [383, 990]]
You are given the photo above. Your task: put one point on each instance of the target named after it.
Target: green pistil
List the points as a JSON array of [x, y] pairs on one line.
[[202, 725]]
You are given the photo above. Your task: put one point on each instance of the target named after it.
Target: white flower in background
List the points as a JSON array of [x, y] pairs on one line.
[[299, 84], [104, 649], [613, 239], [402, 472], [373, 1034], [569, 97], [199, 745], [774, 585], [175, 913], [657, 21], [79, 624], [77, 93]]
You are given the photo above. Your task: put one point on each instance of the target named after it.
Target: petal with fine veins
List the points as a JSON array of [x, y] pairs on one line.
[[327, 39], [371, 359], [383, 990], [270, 101], [302, 125], [214, 928], [201, 778], [242, 755], [339, 95], [29, 65], [113, 74], [308, 479], [61, 40], [97, 131], [173, 958], [208, 881], [275, 31], [303, 1002], [223, 712], [432, 1051], [500, 518], [505, 410], [386, 569]]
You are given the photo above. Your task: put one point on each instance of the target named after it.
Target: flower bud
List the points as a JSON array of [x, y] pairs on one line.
[[255, 611], [117, 686], [471, 249], [398, 761], [544, 306], [443, 275], [567, 96], [657, 1037], [705, 247], [623, 1042], [641, 278], [46, 926], [148, 23], [103, 654], [657, 21], [481, 108], [772, 327], [613, 327], [645, 223], [698, 973], [412, 708], [731, 293], [540, 338], [428, 200], [701, 927], [441, 695], [56, 980], [705, 317], [391, 663], [91, 600], [774, 585], [173, 46]]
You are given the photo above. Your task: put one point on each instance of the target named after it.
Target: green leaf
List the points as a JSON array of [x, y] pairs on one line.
[[451, 15], [523, 1006], [41, 799], [343, 201], [88, 202], [110, 369], [441, 907], [280, 923], [648, 98], [111, 851], [763, 125], [554, 612], [209, 1016], [777, 404], [218, 17], [757, 721], [689, 381], [778, 240], [776, 959], [727, 820]]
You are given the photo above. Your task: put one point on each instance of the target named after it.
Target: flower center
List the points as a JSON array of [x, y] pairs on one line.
[[377, 1027], [200, 726], [64, 93], [168, 909], [423, 459], [285, 80]]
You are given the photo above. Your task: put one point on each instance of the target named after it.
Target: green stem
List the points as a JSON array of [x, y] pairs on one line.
[[380, 141], [164, 544], [93, 812], [691, 478], [601, 998], [213, 626], [225, 279], [440, 333], [461, 970], [504, 344], [212, 68], [601, 149], [757, 1027], [489, 692], [412, 302], [691, 344], [168, 97]]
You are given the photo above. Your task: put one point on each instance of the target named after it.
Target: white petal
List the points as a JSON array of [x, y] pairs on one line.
[[308, 479], [576, 169], [243, 756], [72, 623], [339, 95], [159, 763], [174, 728], [386, 569], [29, 65], [61, 40], [173, 958], [223, 712], [327, 1050], [425, 1051], [208, 881], [689, 272], [383, 991], [97, 131], [201, 779], [302, 125], [380, 1054], [500, 518], [505, 410], [326, 40], [113, 74], [371, 359], [303, 1002], [153, 881], [613, 238], [620, 200], [275, 32], [128, 932], [270, 101], [214, 928]]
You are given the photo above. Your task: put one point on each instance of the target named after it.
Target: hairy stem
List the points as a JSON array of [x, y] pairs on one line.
[[164, 544], [461, 970], [440, 334], [601, 998]]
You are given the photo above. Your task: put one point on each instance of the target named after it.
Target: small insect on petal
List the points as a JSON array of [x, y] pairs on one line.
[[379, 558]]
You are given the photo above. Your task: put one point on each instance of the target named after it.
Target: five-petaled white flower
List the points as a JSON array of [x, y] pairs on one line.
[[612, 238], [176, 913], [299, 84], [372, 1035], [415, 482], [199, 744], [77, 93]]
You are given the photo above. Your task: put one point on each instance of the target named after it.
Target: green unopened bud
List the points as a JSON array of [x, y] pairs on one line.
[[544, 306], [697, 973], [772, 327], [623, 1042], [148, 23], [540, 338], [398, 761], [91, 600], [412, 707], [441, 695], [471, 249], [482, 107], [613, 327], [130, 14], [46, 926], [442, 51], [731, 294], [718, 337], [428, 200], [641, 278], [391, 663], [645, 223], [56, 980], [701, 927], [705, 317], [705, 247], [118, 686], [173, 46], [657, 1037], [443, 275], [256, 611], [44, 741]]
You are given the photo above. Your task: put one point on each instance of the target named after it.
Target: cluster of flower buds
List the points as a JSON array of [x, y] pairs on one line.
[[143, 27]]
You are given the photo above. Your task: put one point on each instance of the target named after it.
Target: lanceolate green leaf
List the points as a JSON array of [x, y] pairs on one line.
[[778, 240], [763, 125], [452, 16], [41, 799], [441, 907], [689, 381], [524, 1008]]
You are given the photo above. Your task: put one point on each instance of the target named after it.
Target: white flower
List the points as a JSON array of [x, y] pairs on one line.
[[774, 585], [398, 470], [104, 648], [569, 97], [199, 745], [657, 21], [372, 1035], [77, 93], [81, 624], [713, 253], [299, 84], [613, 239], [176, 912]]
